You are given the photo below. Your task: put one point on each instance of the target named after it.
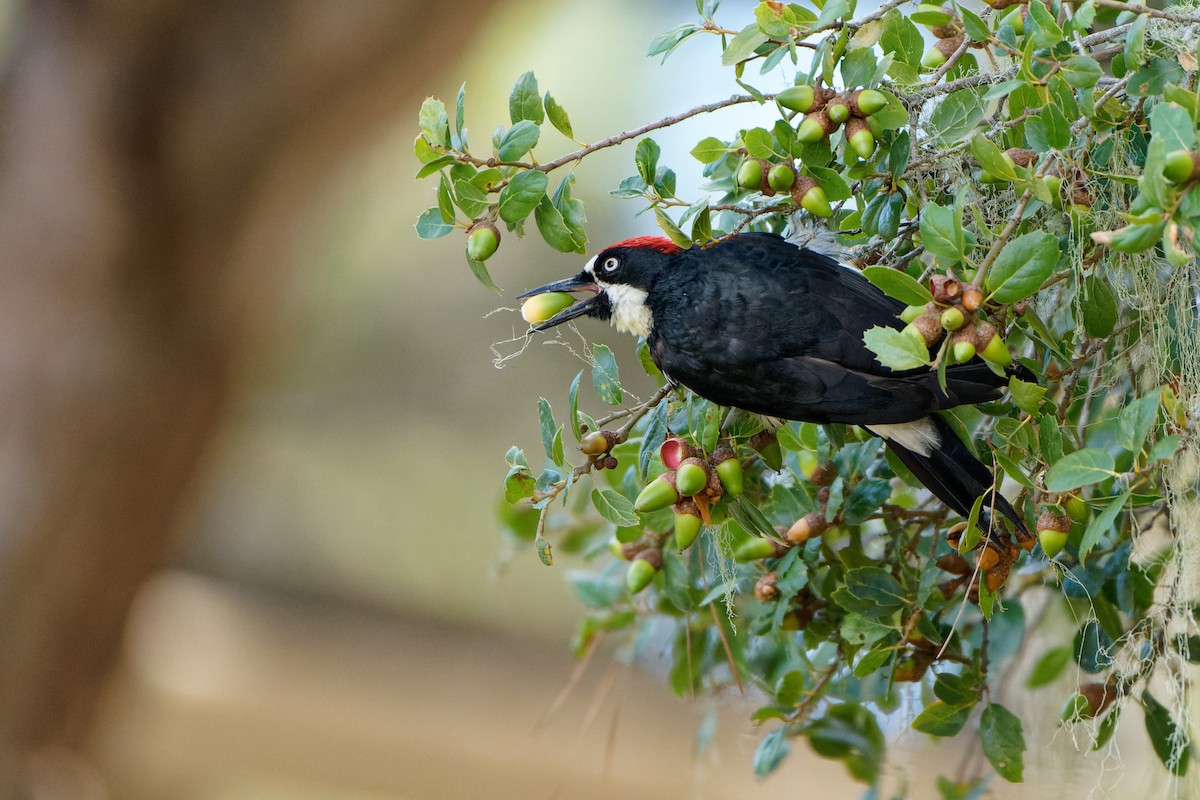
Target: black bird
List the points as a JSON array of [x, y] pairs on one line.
[[758, 323]]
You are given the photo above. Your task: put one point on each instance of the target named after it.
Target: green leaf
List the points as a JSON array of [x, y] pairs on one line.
[[709, 150], [1164, 448], [872, 592], [1023, 266], [1049, 667], [543, 550], [518, 140], [1082, 72], [957, 115], [525, 101], [546, 422], [901, 38], [942, 719], [1044, 26], [431, 226], [558, 116], [433, 166], [1002, 739], [1101, 524], [573, 402], [1027, 396], [899, 285], [894, 349], [554, 228], [865, 500], [1092, 647], [459, 103], [1050, 439], [667, 42], [471, 199], [771, 751], [1136, 421], [1172, 744], [858, 68], [480, 271], [832, 183], [1099, 306], [760, 143], [615, 508], [646, 158], [1080, 468], [743, 45], [435, 125], [522, 194], [991, 159], [605, 378], [942, 235], [973, 25], [1012, 469], [671, 229]]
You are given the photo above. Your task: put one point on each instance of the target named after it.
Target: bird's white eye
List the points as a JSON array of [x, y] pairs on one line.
[[610, 264]]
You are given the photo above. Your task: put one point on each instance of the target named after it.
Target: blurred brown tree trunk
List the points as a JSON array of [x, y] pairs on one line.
[[139, 144]]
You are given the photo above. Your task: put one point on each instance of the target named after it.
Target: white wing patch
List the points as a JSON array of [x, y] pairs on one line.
[[630, 314], [920, 436]]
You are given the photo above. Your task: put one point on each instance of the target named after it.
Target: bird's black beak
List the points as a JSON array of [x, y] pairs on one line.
[[583, 282]]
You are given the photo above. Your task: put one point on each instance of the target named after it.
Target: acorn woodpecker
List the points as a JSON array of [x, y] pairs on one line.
[[757, 323]]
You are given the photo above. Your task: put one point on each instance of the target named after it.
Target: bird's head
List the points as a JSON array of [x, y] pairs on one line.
[[618, 282]]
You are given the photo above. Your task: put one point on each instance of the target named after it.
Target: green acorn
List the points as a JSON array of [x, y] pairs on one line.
[[816, 126], [754, 549], [912, 312], [1181, 166], [1053, 529], [995, 351], [811, 197], [781, 177], [691, 477], [940, 52], [750, 174], [482, 241], [1077, 509], [952, 318], [1053, 185], [797, 98], [687, 524], [964, 351], [925, 329], [596, 443], [859, 138], [541, 307], [838, 110], [642, 570], [729, 470], [768, 449], [659, 493], [1015, 18], [866, 102]]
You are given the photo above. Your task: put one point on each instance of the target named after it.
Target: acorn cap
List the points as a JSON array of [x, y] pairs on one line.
[[766, 590], [659, 493]]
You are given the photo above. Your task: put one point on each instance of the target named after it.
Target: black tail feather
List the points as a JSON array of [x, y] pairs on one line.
[[956, 477]]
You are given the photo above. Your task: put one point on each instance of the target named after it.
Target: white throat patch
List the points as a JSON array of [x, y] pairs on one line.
[[630, 314]]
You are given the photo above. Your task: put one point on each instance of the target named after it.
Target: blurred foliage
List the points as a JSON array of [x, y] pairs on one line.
[[1029, 185]]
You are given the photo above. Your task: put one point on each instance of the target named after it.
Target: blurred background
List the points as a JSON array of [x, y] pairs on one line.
[[253, 435]]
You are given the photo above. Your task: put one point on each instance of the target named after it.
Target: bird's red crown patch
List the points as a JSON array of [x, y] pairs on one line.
[[660, 243]]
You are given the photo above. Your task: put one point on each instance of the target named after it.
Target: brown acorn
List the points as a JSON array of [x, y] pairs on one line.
[[996, 576], [1020, 156], [953, 563], [808, 526], [972, 298], [765, 589]]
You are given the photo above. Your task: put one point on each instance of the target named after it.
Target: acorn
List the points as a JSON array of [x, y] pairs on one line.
[[1015, 19], [659, 493], [691, 477], [1181, 166], [859, 138], [597, 443], [811, 197], [808, 463], [925, 329], [1002, 4], [952, 27], [797, 98], [1076, 509], [541, 307], [1089, 701], [729, 471], [766, 589], [988, 557], [952, 318], [953, 563], [781, 177], [865, 102], [642, 569], [996, 576], [963, 350], [912, 312], [1053, 529], [990, 346], [482, 241], [768, 449], [810, 525], [972, 298], [673, 451], [816, 126], [838, 110], [755, 549], [1053, 185], [687, 524], [608, 462], [750, 174], [617, 548], [941, 51]]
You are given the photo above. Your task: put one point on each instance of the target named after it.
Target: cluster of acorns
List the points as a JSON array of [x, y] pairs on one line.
[[949, 33], [1080, 201], [692, 484], [824, 112], [953, 312]]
